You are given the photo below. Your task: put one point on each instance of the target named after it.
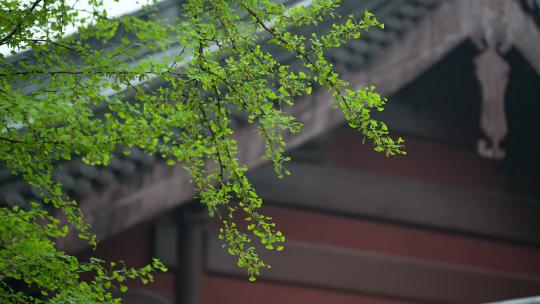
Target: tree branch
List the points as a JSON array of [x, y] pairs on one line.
[[19, 25]]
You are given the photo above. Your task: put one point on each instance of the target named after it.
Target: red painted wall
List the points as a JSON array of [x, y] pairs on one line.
[[428, 161], [225, 290], [453, 166], [405, 241], [371, 236], [134, 248]]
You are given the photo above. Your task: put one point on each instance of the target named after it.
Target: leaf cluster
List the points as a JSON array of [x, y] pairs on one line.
[[171, 88]]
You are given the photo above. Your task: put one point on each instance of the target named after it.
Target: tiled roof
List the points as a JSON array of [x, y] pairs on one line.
[[79, 179], [398, 17]]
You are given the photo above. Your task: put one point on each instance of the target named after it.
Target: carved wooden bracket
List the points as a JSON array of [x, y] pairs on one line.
[[493, 39], [492, 73]]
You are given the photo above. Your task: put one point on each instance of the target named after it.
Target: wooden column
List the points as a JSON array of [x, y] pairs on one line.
[[190, 255]]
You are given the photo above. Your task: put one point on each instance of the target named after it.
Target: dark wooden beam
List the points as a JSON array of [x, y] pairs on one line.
[[379, 274], [400, 200]]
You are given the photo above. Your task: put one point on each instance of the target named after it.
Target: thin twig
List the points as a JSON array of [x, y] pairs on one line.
[[19, 25]]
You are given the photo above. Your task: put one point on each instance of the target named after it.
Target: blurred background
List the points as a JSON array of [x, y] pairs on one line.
[[456, 220]]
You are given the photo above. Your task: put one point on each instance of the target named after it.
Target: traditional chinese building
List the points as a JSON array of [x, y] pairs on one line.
[[455, 221]]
